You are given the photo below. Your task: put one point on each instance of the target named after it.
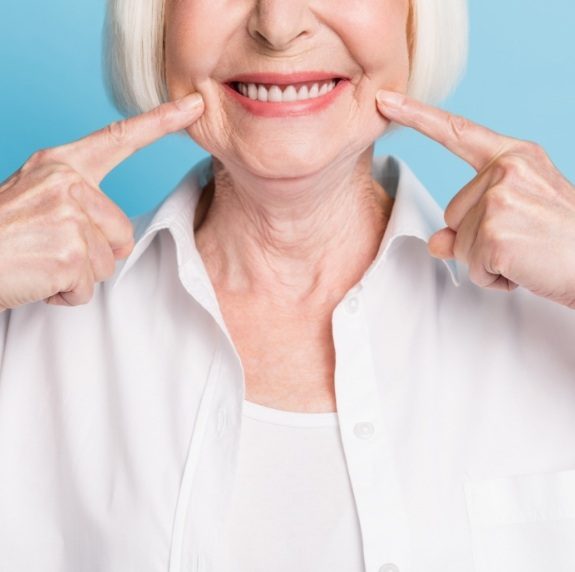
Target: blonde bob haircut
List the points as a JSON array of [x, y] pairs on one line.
[[134, 51]]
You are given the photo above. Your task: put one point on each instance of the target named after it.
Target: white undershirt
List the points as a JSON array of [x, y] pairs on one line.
[[292, 505]]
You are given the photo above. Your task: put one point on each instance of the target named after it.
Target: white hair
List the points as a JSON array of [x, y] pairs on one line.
[[134, 51]]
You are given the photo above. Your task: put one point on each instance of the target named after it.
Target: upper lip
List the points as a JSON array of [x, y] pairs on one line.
[[284, 79]]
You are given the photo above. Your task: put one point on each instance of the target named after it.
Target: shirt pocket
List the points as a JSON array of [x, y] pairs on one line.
[[523, 523]]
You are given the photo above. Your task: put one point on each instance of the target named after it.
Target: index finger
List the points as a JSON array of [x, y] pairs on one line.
[[97, 154], [475, 144]]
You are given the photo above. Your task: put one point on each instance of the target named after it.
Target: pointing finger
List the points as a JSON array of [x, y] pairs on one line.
[[97, 154], [475, 144]]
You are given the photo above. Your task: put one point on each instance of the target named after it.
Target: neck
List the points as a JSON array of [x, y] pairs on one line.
[[301, 239]]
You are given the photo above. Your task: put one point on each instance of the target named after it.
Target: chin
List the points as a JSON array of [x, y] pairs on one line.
[[285, 162]]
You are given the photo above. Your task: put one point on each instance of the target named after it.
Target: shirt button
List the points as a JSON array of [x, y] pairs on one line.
[[364, 430], [389, 567], [352, 305]]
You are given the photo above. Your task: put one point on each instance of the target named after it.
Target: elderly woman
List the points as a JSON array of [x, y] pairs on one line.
[[297, 366]]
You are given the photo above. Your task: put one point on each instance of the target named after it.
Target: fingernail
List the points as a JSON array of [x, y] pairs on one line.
[[390, 98], [189, 102]]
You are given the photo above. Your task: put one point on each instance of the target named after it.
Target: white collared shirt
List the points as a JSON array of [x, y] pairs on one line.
[[120, 419]]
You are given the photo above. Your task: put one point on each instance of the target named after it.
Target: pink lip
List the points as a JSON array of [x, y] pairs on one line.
[[288, 109]]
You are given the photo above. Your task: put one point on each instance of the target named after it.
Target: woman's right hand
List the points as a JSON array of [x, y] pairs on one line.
[[59, 233]]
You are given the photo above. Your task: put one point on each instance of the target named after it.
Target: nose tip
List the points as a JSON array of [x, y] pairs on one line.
[[277, 24], [275, 41]]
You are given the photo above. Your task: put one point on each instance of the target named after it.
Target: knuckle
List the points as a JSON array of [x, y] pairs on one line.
[[497, 263], [56, 193], [72, 256], [513, 167], [160, 114], [490, 233], [39, 157], [50, 156], [80, 295], [499, 171], [162, 118], [539, 154], [118, 132], [60, 178], [70, 217], [536, 150], [496, 199], [496, 245], [457, 124], [53, 300]]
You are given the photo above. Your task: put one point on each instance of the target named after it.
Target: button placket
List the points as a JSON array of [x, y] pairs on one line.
[[186, 520], [367, 442]]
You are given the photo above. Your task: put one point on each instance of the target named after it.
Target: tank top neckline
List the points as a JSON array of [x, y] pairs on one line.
[[265, 414]]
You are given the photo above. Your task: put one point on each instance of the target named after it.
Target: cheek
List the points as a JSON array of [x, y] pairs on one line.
[[375, 33], [190, 55], [193, 49]]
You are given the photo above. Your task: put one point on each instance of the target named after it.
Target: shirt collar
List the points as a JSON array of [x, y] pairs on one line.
[[415, 214]]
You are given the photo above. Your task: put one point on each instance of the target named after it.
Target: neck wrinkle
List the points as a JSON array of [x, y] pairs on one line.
[[291, 253]]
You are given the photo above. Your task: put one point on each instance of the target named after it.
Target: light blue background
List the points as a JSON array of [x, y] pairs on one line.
[[520, 80]]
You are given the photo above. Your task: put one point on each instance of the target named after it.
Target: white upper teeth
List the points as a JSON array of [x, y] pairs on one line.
[[289, 93]]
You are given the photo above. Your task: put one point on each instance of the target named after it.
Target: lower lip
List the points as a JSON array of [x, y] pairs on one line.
[[287, 109]]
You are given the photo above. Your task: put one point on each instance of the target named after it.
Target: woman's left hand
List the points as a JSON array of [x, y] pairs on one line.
[[513, 224]]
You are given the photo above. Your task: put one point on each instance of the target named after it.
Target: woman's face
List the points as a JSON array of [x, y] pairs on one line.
[[210, 43]]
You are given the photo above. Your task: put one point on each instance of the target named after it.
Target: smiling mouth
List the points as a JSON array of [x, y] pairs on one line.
[[302, 91]]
